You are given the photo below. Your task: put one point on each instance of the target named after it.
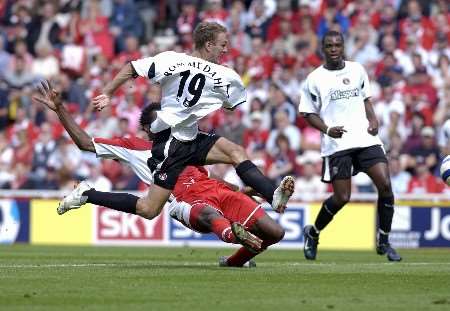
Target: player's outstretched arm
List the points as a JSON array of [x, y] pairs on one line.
[[52, 99], [103, 100]]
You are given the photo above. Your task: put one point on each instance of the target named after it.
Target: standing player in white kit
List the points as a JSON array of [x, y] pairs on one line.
[[192, 87], [336, 100]]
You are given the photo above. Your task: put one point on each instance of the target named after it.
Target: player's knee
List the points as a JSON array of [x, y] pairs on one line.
[[385, 190], [342, 198], [146, 209], [278, 233], [237, 154]]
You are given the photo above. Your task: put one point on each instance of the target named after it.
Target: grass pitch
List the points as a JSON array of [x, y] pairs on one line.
[[135, 278]]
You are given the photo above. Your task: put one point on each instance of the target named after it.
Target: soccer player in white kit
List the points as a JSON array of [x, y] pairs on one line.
[[200, 203], [192, 87], [336, 100]]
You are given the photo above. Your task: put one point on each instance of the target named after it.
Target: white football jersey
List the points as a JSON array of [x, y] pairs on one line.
[[337, 96], [133, 152], [191, 89]]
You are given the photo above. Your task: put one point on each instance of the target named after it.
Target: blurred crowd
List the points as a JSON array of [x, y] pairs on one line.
[[80, 45]]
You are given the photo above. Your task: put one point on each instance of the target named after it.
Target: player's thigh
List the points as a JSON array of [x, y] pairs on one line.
[[227, 152], [373, 161], [151, 205], [267, 229], [379, 173]]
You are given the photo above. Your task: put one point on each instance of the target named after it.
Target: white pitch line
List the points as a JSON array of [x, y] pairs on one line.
[[187, 264]]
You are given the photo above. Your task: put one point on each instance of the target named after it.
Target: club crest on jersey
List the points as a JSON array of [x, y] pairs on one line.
[[346, 81], [162, 176]]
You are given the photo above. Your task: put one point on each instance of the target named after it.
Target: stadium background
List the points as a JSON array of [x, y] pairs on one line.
[[79, 45]]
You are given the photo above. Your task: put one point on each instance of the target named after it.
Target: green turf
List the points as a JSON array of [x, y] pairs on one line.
[[117, 278]]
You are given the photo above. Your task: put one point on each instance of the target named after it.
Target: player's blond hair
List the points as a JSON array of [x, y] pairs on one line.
[[206, 32]]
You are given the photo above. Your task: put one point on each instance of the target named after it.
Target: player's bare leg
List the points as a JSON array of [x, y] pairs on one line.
[[379, 173], [151, 205], [225, 151]]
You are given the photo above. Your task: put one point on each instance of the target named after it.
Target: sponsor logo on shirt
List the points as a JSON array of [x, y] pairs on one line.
[[338, 94]]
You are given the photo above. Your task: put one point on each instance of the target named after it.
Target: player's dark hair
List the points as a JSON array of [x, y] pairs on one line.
[[148, 114], [206, 32], [332, 33]]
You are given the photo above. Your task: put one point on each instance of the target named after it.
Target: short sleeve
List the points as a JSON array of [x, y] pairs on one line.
[[309, 99], [236, 94], [365, 84], [151, 67]]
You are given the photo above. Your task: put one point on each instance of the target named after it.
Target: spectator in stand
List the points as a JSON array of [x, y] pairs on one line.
[[72, 91], [441, 73], [188, 16], [423, 181], [257, 19], [20, 52], [255, 136], [96, 177], [123, 129], [390, 111], [130, 53], [285, 127], [309, 186], [307, 37], [332, 16], [44, 146], [399, 178], [125, 21], [129, 110], [257, 105], [287, 82], [427, 150], [44, 29], [282, 161], [94, 29], [279, 102], [283, 14], [414, 138], [361, 48], [19, 77], [240, 41], [45, 65], [387, 24], [232, 127], [214, 12], [67, 157], [104, 125]]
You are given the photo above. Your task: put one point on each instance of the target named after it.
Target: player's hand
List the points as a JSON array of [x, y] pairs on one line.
[[373, 127], [101, 101], [336, 131], [49, 97]]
